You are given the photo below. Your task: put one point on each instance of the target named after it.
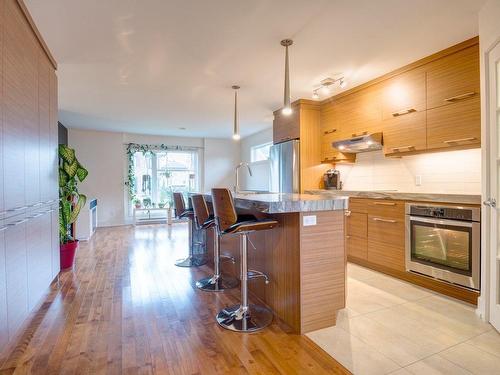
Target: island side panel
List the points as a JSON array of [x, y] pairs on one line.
[[322, 269]]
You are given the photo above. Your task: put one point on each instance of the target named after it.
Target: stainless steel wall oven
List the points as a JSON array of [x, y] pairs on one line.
[[444, 242]]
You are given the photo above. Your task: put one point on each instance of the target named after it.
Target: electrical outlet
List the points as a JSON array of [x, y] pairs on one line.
[[309, 220], [418, 180]]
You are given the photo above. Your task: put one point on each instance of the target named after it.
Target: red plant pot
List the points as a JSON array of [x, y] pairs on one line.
[[68, 251]]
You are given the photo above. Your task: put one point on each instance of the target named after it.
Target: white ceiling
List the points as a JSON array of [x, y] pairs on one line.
[[154, 66]]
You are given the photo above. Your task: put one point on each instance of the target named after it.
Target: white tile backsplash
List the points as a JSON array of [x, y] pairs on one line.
[[456, 172]]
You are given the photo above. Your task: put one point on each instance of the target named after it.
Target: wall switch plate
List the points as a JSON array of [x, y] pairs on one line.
[[309, 220], [418, 180]]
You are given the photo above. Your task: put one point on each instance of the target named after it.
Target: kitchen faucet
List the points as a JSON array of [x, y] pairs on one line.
[[237, 169]]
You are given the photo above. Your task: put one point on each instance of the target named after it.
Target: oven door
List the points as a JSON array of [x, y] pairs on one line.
[[444, 249]]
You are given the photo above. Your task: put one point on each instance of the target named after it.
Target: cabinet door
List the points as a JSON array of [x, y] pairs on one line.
[[16, 275], [39, 257], [356, 247], [14, 127], [46, 146], [285, 127], [4, 328], [331, 132], [359, 112], [405, 133], [356, 224], [56, 265], [53, 154], [32, 141], [454, 125], [453, 78], [403, 94]]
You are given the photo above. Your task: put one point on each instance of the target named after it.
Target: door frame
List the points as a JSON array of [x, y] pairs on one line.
[[483, 308]]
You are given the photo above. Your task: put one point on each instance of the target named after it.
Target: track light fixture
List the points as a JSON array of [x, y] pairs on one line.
[[326, 85]]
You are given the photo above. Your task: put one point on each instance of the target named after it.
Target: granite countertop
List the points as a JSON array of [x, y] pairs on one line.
[[419, 197], [274, 203]]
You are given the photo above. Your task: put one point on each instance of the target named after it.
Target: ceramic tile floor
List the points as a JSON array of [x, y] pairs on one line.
[[393, 327]]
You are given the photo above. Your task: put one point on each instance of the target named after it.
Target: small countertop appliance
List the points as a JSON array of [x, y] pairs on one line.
[[331, 180]]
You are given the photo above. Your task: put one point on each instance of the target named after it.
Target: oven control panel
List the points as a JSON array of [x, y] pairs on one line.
[[444, 212]]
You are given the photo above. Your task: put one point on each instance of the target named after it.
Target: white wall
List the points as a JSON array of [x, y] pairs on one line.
[[443, 172], [103, 154], [221, 157], [260, 170]]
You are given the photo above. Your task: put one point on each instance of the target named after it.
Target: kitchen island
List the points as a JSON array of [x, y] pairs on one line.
[[304, 257]]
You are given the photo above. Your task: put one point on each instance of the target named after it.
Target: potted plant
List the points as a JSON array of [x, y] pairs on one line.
[[137, 203], [70, 202]]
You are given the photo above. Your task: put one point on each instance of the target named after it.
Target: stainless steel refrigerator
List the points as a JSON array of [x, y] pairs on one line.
[[285, 170]]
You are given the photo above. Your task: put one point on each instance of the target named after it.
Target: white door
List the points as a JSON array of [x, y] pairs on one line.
[[491, 203]]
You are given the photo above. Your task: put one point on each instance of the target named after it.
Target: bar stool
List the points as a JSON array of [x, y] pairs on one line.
[[242, 317], [193, 260], [205, 221]]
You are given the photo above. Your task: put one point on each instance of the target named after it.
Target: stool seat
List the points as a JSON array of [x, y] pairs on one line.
[[251, 226]]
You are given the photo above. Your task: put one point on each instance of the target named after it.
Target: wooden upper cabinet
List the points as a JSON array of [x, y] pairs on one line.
[[286, 127], [457, 125], [404, 94], [359, 113], [331, 132], [406, 133], [454, 78], [453, 102]]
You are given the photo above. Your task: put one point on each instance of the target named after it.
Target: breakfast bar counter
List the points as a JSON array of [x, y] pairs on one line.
[[304, 256]]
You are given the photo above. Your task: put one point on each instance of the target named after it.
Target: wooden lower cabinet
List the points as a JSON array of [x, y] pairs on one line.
[[16, 272], [387, 255], [387, 230], [4, 328], [39, 258], [357, 247]]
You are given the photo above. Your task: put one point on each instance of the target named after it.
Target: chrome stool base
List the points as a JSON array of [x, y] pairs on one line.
[[192, 261], [217, 284], [235, 318]]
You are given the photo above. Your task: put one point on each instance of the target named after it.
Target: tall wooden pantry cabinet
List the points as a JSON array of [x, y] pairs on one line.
[[29, 243]]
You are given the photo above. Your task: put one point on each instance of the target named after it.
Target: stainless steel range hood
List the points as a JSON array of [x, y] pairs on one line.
[[362, 143]]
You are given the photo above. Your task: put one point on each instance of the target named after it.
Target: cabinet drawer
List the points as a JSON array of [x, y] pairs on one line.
[[386, 230], [357, 224], [455, 125], [387, 255], [357, 247], [386, 208]]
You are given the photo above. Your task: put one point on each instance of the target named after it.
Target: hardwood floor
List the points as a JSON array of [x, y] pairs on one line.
[[127, 309]]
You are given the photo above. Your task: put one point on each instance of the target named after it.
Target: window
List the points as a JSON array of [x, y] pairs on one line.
[[260, 152], [159, 173]]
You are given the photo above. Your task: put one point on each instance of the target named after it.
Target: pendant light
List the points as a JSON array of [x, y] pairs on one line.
[[236, 125], [287, 108]]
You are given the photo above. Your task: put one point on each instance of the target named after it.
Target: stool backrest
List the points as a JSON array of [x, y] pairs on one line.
[[224, 210], [179, 205], [200, 209]]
